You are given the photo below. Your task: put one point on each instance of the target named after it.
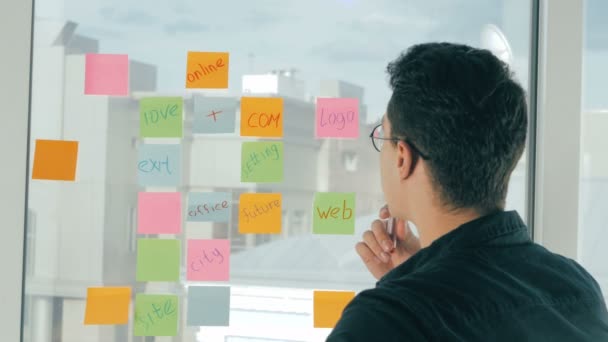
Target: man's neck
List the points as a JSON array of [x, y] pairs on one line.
[[435, 223]]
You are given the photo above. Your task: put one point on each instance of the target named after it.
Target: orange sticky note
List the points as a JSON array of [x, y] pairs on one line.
[[55, 160], [207, 70], [262, 117], [260, 213], [107, 305], [328, 307]]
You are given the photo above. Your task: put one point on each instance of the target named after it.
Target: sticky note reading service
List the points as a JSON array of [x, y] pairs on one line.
[[334, 213], [55, 160], [161, 117], [262, 117], [107, 305], [156, 315], [328, 307], [208, 260], [262, 162], [208, 306], [106, 74], [337, 118], [158, 260], [260, 213], [159, 213], [207, 70]]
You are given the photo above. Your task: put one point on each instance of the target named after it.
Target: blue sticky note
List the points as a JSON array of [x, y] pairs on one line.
[[208, 306], [214, 115], [159, 165], [209, 206]]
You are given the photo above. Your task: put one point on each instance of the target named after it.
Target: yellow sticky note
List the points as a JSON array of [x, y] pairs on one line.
[[328, 307], [55, 160], [107, 305], [207, 70], [262, 117], [260, 213]]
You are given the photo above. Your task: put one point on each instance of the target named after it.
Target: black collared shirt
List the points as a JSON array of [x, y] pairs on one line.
[[484, 281]]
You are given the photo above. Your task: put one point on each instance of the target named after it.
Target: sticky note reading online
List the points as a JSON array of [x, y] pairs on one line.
[[161, 117], [155, 315], [209, 206], [159, 213], [260, 213], [214, 115], [328, 307], [159, 165], [334, 213], [337, 118], [208, 306], [106, 74], [262, 117], [55, 160], [262, 162], [208, 260], [158, 260], [207, 70], [107, 305]]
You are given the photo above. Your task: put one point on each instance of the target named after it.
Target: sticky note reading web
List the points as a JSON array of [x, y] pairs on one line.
[[209, 206], [158, 260], [260, 213], [262, 117], [161, 117], [262, 162], [159, 213], [106, 74], [107, 305], [214, 115], [207, 70], [55, 160], [208, 260], [337, 118], [159, 165], [334, 213], [208, 306], [156, 315], [328, 307]]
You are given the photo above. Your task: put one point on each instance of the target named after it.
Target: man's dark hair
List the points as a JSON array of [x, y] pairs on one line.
[[460, 107]]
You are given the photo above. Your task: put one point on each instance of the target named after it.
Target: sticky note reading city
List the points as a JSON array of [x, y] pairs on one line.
[[207, 70]]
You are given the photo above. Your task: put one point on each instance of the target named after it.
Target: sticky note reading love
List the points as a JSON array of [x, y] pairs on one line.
[[214, 115], [207, 70], [159, 213], [337, 118], [55, 160], [334, 213], [161, 117], [155, 315], [208, 306], [328, 307], [260, 213], [209, 206], [106, 74], [262, 162], [159, 165], [107, 305], [262, 117], [158, 260], [208, 260]]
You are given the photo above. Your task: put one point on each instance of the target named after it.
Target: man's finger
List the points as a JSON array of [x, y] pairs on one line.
[[376, 267], [384, 212], [382, 237], [369, 239]]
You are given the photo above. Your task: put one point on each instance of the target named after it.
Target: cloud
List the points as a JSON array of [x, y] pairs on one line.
[[131, 17], [185, 26]]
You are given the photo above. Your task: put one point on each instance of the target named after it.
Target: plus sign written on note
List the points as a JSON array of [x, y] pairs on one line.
[[214, 113]]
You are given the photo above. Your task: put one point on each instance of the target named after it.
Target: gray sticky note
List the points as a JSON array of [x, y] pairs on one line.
[[214, 115], [159, 165], [208, 306]]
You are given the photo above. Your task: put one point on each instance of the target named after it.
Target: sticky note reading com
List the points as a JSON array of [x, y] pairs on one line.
[[161, 117], [158, 260], [55, 160], [262, 162], [107, 305], [209, 206], [328, 307], [214, 115], [159, 213], [334, 213], [260, 213], [207, 70], [156, 315], [337, 118], [106, 74], [208, 260], [159, 165], [262, 117], [208, 306]]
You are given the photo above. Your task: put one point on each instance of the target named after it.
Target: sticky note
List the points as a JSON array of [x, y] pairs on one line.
[[260, 213], [337, 118], [106, 74], [262, 117], [209, 206], [107, 305], [334, 213], [214, 115], [208, 306], [156, 315], [262, 162], [207, 70], [159, 213], [208, 260], [159, 165], [158, 260], [328, 307], [161, 117], [55, 160]]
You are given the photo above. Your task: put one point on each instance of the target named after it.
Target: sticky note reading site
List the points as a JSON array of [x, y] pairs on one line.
[[158, 260], [208, 260], [209, 206], [260, 213], [161, 117], [262, 162], [107, 305], [262, 117], [337, 118], [214, 115], [155, 315], [334, 213], [159, 165], [328, 307], [106, 74], [159, 213], [55, 160], [208, 306], [207, 70]]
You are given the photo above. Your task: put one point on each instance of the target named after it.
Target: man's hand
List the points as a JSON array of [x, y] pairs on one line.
[[377, 249]]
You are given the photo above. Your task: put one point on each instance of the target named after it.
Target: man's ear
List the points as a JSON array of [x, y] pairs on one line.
[[405, 160]]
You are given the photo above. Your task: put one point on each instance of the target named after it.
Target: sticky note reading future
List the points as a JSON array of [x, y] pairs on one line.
[[155, 315], [159, 213], [208, 260], [209, 206], [260, 213], [161, 117], [55, 160], [106, 74], [337, 118], [262, 117], [262, 162], [208, 306], [159, 165], [158, 260], [328, 307], [214, 115], [334, 213], [107, 305], [207, 70]]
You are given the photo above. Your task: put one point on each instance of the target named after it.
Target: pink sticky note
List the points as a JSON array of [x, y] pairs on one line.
[[106, 74], [159, 213], [208, 260], [337, 118]]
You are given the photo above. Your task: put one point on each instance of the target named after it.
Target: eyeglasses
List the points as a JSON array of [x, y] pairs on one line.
[[378, 139]]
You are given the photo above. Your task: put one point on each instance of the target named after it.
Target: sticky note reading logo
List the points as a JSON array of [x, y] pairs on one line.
[[337, 118], [158, 260], [55, 160], [208, 260], [260, 213], [155, 315], [334, 213], [159, 165], [262, 117], [214, 115], [207, 70], [107, 305], [262, 162], [159, 213], [209, 206], [328, 307], [106, 74], [208, 306], [160, 117]]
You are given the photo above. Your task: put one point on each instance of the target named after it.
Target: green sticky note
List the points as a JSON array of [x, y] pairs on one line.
[[262, 162], [158, 260], [161, 117], [156, 315], [334, 213]]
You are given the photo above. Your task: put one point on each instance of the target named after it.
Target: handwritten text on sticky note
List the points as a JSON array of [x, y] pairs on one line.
[[106, 74], [209, 206], [262, 162], [208, 260], [55, 160], [158, 260], [159, 213], [159, 165], [155, 315], [334, 213], [337, 118], [207, 70], [262, 117], [328, 307], [208, 306], [160, 117], [107, 305], [260, 213], [214, 115]]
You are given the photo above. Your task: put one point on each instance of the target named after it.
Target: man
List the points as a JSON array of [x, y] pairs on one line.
[[454, 130]]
